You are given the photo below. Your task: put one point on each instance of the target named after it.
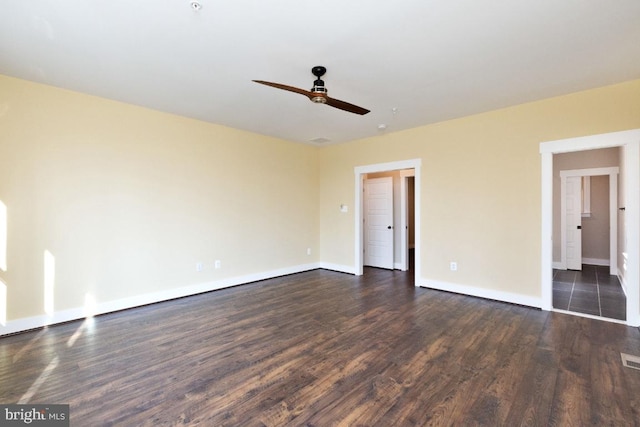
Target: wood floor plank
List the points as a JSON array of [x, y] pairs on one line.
[[323, 348], [532, 399], [572, 399], [514, 348]]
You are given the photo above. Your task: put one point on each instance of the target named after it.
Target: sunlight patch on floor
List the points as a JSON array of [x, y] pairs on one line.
[[39, 381]]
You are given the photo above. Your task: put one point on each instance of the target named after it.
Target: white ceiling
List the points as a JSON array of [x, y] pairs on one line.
[[431, 60]]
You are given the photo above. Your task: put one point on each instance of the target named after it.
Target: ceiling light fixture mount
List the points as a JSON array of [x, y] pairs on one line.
[[196, 5], [320, 140]]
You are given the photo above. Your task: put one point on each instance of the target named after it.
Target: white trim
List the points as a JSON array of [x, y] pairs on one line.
[[403, 265], [563, 223], [630, 139], [612, 172], [359, 172], [337, 267], [589, 316], [623, 283], [483, 293], [546, 254], [590, 172], [598, 261], [389, 166], [34, 322], [632, 225], [613, 223], [592, 142], [586, 196]]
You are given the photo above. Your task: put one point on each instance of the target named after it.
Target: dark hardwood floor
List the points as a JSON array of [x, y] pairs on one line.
[[323, 348]]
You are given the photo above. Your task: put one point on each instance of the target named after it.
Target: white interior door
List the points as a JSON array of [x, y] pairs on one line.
[[574, 222], [378, 222]]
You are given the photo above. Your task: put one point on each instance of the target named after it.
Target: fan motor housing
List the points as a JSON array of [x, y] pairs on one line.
[[319, 90], [318, 85], [319, 98]]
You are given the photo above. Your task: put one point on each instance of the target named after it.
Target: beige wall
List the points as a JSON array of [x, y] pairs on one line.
[[480, 200], [595, 227], [128, 200]]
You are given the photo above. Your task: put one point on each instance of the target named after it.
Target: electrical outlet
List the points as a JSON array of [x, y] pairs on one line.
[[453, 266], [218, 264], [308, 251], [199, 266]]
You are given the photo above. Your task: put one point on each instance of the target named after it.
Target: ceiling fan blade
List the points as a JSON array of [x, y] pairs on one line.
[[318, 97], [285, 87], [336, 103]]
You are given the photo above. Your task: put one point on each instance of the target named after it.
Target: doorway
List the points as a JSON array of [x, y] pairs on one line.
[[389, 219], [629, 248], [575, 207], [360, 173], [585, 277]]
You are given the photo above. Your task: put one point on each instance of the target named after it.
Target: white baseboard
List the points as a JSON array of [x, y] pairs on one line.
[[519, 299], [623, 283], [25, 324], [589, 316], [398, 266], [349, 269], [590, 261], [596, 261]]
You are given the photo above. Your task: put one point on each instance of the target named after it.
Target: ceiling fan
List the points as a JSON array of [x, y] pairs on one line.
[[318, 93]]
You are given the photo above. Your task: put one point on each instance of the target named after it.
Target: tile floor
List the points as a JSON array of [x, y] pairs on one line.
[[590, 291]]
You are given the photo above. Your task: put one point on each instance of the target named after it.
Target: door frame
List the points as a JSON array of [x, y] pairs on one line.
[[404, 216], [360, 172], [630, 140], [612, 172]]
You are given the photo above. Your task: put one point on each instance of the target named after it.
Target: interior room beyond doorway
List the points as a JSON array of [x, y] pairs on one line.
[[627, 212], [389, 218]]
